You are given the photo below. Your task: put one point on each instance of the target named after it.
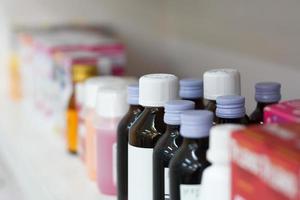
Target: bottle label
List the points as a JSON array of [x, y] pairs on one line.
[[167, 184], [114, 150], [190, 192], [140, 173]]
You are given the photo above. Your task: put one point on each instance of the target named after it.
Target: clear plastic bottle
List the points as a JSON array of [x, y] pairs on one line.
[[216, 179], [192, 90], [220, 82], [167, 146], [122, 139], [92, 86], [266, 93], [231, 110], [155, 91], [188, 164], [110, 108]]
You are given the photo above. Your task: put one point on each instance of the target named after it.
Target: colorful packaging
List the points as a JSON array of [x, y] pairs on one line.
[[266, 163], [287, 111]]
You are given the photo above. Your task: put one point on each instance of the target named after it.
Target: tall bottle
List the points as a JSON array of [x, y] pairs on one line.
[[220, 82], [88, 135], [231, 110], [192, 89], [155, 91], [79, 74], [216, 179], [167, 146], [122, 140], [187, 166], [266, 93], [110, 108]]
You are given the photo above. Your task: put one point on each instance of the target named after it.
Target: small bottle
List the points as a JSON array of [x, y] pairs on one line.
[[187, 165], [266, 93], [216, 179], [110, 108], [79, 74], [231, 110], [220, 82], [122, 139], [92, 86], [167, 146], [192, 89], [155, 91]]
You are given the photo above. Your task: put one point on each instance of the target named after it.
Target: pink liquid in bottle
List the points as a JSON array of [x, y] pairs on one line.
[[106, 154], [111, 107]]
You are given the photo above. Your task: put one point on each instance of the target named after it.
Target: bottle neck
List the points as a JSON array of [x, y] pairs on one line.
[[198, 141], [172, 128], [262, 105]]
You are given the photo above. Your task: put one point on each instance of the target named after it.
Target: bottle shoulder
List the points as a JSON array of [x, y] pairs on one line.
[[189, 160], [147, 129]]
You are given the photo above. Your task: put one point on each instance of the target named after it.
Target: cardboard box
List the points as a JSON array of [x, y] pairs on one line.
[[288, 111], [266, 163]]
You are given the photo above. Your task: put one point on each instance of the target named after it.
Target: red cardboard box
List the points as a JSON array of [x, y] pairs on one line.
[[288, 111], [266, 163]]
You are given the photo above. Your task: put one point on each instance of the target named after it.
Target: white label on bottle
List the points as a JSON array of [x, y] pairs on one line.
[[140, 173], [190, 192], [167, 184], [114, 151]]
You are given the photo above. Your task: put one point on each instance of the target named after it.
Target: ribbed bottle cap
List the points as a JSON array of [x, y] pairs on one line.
[[112, 102], [219, 142], [220, 82], [174, 108], [231, 106], [93, 84], [157, 89], [133, 94], [267, 92], [191, 88], [196, 123]]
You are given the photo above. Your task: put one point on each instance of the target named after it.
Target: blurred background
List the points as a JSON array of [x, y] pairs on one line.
[[260, 38]]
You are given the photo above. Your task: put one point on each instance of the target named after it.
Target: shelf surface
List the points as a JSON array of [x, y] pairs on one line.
[[35, 163]]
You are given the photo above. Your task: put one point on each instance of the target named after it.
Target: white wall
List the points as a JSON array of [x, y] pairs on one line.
[[186, 37]]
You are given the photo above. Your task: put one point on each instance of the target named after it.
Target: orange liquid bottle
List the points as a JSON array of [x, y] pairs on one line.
[[79, 74]]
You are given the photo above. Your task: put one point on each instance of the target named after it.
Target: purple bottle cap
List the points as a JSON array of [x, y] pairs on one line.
[[191, 88], [174, 108], [267, 92], [231, 106], [133, 94], [196, 123]]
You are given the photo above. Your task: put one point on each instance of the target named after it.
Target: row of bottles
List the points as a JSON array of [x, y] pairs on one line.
[[145, 143]]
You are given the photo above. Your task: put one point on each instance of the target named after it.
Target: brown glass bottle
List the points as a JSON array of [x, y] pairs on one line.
[[192, 90], [211, 105], [79, 74], [257, 117], [231, 109], [199, 104], [122, 150], [266, 93], [154, 91]]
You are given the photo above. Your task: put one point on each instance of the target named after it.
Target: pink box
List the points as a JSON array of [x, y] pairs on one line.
[[284, 112]]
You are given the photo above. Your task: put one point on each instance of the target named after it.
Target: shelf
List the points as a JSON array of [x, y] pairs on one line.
[[38, 161]]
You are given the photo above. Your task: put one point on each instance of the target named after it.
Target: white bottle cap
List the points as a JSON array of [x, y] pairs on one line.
[[112, 102], [93, 84], [219, 142], [157, 89], [221, 82]]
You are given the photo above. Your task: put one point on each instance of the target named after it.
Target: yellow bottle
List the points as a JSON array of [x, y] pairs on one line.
[[79, 74]]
